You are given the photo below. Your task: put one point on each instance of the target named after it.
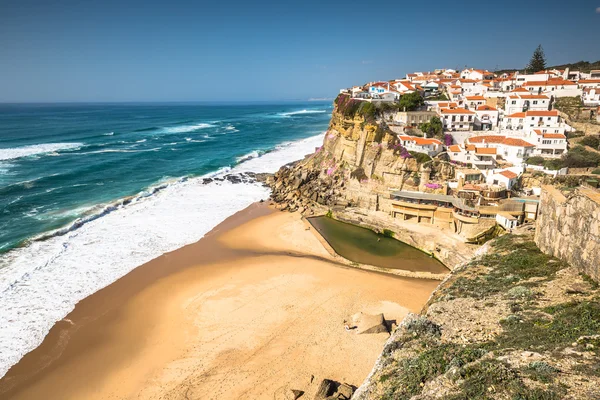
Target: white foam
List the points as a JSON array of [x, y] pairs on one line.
[[24, 151], [301, 112], [187, 128], [41, 282]]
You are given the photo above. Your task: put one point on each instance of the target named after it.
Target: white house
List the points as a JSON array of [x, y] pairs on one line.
[[540, 119], [405, 87], [518, 102], [551, 145], [486, 117], [472, 102], [457, 119], [479, 157], [513, 150], [557, 87], [504, 178], [589, 83], [431, 147], [379, 87], [476, 74], [591, 96]]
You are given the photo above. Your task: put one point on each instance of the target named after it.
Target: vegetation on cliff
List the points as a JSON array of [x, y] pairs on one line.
[[512, 324]]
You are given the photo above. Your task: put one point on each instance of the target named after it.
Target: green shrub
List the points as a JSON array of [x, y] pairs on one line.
[[596, 171], [579, 157], [420, 157], [536, 160], [592, 141]]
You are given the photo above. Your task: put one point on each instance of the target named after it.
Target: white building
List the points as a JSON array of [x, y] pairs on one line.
[[557, 87], [513, 150], [519, 102], [551, 145], [431, 147], [480, 157], [472, 102], [504, 178], [486, 117], [591, 96], [476, 74], [457, 119], [589, 83]]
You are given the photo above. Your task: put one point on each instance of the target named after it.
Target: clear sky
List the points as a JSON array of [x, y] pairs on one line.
[[146, 50]]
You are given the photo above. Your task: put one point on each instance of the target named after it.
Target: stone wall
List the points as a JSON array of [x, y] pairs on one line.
[[569, 228]]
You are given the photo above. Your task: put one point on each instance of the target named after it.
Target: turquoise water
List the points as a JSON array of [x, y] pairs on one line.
[[367, 247], [90, 192], [58, 161]]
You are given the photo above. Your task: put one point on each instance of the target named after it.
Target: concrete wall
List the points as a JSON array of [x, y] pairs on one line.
[[569, 228]]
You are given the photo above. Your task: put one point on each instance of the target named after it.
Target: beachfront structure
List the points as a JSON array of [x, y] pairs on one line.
[[457, 119], [378, 88], [479, 157], [431, 147], [521, 102], [486, 117]]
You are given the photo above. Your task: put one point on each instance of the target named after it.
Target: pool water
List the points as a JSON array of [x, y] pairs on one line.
[[367, 247]]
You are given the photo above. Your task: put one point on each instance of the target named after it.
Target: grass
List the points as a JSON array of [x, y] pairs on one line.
[[492, 379], [433, 361], [524, 261], [553, 328]]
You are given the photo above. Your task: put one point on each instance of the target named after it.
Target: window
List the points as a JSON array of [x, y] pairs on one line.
[[535, 102], [514, 102], [546, 141], [462, 118]]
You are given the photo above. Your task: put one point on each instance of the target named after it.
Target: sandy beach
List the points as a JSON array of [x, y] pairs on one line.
[[253, 310]]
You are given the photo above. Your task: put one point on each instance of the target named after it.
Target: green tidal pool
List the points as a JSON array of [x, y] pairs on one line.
[[364, 246]]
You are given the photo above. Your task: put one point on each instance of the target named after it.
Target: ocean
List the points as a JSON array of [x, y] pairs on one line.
[[89, 192]]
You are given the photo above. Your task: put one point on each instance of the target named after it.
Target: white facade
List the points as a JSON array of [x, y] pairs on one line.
[[487, 117], [591, 96], [551, 145], [522, 102], [513, 150], [457, 118], [431, 147]]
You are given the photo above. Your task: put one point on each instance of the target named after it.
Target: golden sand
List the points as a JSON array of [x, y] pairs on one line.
[[253, 310]]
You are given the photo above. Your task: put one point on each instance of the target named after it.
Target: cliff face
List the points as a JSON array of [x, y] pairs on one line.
[[356, 166], [569, 228]]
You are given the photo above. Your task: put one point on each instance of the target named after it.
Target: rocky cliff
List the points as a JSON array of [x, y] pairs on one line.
[[569, 228], [359, 162]]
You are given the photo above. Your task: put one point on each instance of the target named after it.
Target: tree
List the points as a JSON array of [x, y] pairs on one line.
[[411, 101], [538, 61], [433, 128]]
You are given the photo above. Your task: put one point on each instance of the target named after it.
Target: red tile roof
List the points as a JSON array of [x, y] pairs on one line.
[[454, 148], [508, 174], [516, 142], [475, 98], [554, 136], [500, 140], [550, 82], [485, 150], [516, 115], [456, 111], [485, 107], [533, 113]]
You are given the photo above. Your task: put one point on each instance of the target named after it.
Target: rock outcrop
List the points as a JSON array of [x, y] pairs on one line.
[[569, 228], [356, 166]]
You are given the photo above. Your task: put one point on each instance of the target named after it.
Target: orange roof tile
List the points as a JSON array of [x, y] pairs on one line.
[[589, 81], [533, 113], [517, 90], [475, 98], [516, 115], [554, 136], [470, 147], [487, 139], [454, 148], [516, 142], [485, 150], [456, 111], [508, 174], [485, 107]]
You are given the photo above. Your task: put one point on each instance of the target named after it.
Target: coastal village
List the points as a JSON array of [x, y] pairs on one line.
[[499, 130]]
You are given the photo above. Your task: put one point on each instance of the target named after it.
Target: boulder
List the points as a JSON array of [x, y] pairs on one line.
[[326, 388], [296, 394], [366, 323]]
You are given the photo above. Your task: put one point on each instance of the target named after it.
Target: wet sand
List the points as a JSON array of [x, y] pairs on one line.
[[253, 310]]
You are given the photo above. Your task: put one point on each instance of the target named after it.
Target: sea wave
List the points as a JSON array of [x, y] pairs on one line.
[[301, 112], [187, 128], [14, 153], [41, 282]]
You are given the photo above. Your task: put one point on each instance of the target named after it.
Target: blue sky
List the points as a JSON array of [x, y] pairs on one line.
[[134, 50]]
